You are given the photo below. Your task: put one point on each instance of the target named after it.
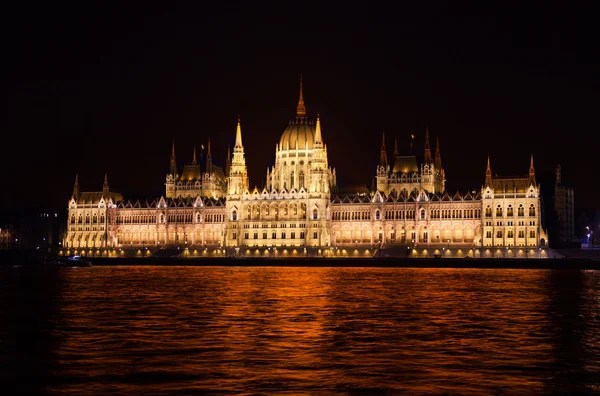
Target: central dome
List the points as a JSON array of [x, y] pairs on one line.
[[301, 130]]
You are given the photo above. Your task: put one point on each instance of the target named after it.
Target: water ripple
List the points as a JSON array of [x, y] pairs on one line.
[[300, 331]]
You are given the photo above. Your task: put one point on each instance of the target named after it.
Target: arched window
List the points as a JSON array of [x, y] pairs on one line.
[[292, 180], [531, 210], [87, 219], [95, 219], [377, 215], [301, 179], [73, 219], [499, 211], [197, 217], [521, 211], [509, 211], [234, 215], [162, 218], [315, 214], [422, 214], [102, 219], [488, 211]]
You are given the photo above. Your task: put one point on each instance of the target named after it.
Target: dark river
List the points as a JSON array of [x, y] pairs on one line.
[[299, 331]]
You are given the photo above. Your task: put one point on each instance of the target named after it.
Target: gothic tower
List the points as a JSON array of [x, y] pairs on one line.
[[238, 173]]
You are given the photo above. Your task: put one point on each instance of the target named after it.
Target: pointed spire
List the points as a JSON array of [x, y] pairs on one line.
[[238, 137], [194, 157], [209, 164], [395, 146], [383, 155], [173, 167], [488, 173], [531, 172], [76, 188], [228, 162], [438, 156], [531, 168], [558, 175], [105, 189], [427, 154], [318, 137], [301, 109]]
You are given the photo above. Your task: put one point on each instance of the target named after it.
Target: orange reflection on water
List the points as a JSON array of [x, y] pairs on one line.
[[309, 330]]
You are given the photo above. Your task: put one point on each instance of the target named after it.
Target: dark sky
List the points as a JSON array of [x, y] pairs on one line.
[[89, 87]]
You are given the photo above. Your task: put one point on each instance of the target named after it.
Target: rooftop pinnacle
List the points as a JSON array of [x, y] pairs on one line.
[[301, 109]]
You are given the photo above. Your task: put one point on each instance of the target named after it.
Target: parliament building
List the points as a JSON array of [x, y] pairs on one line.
[[208, 210]]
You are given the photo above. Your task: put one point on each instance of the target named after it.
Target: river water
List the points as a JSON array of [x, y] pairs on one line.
[[299, 331]]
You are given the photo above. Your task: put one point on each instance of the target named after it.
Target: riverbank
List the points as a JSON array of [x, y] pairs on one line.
[[576, 264]]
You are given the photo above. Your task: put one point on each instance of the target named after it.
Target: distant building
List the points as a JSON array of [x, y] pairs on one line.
[[564, 206], [31, 229], [301, 207], [8, 237]]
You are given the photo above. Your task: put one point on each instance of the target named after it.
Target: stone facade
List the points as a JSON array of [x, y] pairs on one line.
[[300, 212]]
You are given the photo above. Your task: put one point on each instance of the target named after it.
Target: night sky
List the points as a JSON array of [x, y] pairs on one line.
[[98, 88]]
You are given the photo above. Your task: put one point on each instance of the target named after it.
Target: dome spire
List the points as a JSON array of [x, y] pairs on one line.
[[194, 157], [301, 109]]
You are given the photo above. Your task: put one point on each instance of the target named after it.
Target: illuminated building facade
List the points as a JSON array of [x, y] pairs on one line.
[[300, 212]]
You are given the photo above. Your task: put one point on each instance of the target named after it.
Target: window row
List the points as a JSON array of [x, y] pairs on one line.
[[510, 211]]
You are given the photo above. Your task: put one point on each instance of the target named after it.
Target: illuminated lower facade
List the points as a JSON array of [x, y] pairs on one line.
[[299, 211]]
